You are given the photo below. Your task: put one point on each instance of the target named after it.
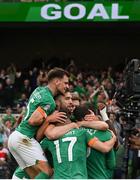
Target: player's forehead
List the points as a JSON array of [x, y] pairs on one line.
[[65, 78], [68, 95]]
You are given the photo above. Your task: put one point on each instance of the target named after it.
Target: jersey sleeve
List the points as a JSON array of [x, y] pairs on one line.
[[103, 135], [44, 144], [90, 136], [46, 106], [111, 160]]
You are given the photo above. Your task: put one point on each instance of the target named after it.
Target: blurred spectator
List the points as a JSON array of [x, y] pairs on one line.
[[21, 111], [4, 134], [112, 106], [18, 80], [11, 72], [22, 102], [42, 78], [110, 74], [109, 87], [8, 126], [98, 95], [4, 158], [2, 100], [33, 78], [9, 93], [3, 76], [72, 69], [4, 154], [26, 87], [110, 90], [117, 126], [71, 87], [91, 79], [80, 88], [9, 119], [89, 89]]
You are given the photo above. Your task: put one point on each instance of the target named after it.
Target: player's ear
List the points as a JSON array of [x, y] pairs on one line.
[[57, 81]]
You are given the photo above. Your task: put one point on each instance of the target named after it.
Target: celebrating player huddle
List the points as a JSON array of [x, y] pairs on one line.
[[80, 149]]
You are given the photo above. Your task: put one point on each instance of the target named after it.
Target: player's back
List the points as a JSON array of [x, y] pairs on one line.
[[69, 154], [101, 165]]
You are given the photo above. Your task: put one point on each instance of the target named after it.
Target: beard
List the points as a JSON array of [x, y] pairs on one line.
[[60, 92]]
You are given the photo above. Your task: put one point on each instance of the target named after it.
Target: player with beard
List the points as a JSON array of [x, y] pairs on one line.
[[69, 147]]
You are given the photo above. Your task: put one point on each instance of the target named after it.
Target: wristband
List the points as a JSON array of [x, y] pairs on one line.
[[104, 114]]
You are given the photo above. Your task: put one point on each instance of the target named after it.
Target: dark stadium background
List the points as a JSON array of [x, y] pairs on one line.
[[95, 45]]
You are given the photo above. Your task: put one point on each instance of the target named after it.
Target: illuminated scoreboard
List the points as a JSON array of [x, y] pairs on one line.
[[86, 11]]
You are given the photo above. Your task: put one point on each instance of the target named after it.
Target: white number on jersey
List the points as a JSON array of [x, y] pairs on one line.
[[72, 141]]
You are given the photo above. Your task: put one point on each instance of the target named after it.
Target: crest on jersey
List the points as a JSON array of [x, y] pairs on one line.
[[47, 107]]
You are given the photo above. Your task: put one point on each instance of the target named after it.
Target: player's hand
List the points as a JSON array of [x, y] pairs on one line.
[[57, 116], [91, 116], [113, 135]]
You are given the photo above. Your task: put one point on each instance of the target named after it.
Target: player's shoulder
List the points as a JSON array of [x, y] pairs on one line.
[[41, 92], [83, 130], [90, 131], [103, 132]]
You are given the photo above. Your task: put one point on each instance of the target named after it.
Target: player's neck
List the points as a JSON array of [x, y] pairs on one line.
[[52, 89]]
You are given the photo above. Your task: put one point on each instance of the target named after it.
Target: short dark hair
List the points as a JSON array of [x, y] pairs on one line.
[[58, 96], [80, 112], [57, 73], [75, 96]]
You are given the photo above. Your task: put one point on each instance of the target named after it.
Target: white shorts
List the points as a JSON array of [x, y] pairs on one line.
[[26, 151]]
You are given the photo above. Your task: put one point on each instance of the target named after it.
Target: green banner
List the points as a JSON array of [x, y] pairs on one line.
[[70, 12]]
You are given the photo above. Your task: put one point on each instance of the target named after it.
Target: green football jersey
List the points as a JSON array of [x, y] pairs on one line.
[[41, 97], [21, 174], [101, 165], [69, 153]]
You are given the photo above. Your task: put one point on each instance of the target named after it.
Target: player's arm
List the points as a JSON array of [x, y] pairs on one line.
[[54, 132], [56, 116], [37, 117], [103, 147], [111, 160], [99, 125], [105, 118], [94, 122], [41, 131]]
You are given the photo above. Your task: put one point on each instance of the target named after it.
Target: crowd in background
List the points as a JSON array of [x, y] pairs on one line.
[[16, 85], [91, 87]]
